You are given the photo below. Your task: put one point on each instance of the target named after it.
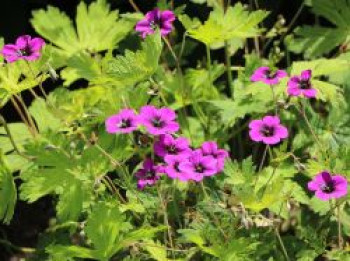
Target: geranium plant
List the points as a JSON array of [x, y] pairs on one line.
[[242, 154]]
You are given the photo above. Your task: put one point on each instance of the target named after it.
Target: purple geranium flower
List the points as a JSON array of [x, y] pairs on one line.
[[327, 186], [266, 75], [125, 121], [210, 148], [168, 145], [267, 130], [158, 121], [148, 175], [156, 19], [301, 85], [197, 166], [26, 48], [172, 169]]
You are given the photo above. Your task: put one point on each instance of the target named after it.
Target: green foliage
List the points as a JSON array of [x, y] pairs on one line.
[[134, 67], [221, 26], [258, 208], [93, 23], [8, 192], [108, 232], [315, 41]]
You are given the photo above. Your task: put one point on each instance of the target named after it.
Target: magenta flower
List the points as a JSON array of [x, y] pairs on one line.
[[210, 148], [25, 48], [158, 121], [301, 85], [125, 121], [168, 145], [198, 166], [266, 75], [148, 175], [172, 169], [267, 130], [327, 186], [156, 19]]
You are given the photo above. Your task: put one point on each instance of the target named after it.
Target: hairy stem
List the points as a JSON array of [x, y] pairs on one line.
[[166, 219], [29, 117], [340, 238], [9, 135], [277, 233], [23, 118], [228, 71]]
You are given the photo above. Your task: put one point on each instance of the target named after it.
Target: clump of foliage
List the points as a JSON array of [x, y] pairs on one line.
[[162, 158]]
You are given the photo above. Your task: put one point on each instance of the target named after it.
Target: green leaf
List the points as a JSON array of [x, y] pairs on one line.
[[239, 249], [93, 23], [8, 192], [20, 135], [103, 228], [137, 66], [70, 203], [44, 119], [221, 26], [68, 253], [315, 41], [81, 65]]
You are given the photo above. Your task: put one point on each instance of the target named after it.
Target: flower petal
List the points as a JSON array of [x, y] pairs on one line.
[[306, 75]]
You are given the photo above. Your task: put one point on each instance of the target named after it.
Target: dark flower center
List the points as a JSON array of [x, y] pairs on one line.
[[125, 123], [156, 23], [270, 74], [328, 187], [26, 51], [304, 84], [157, 122], [172, 149], [150, 174], [268, 131], [199, 168]]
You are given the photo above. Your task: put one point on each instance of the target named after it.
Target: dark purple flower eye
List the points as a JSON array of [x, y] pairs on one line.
[[156, 19], [198, 166], [266, 75], [148, 174], [125, 121], [172, 167], [301, 85], [327, 186], [168, 145], [267, 130], [26, 48], [158, 121]]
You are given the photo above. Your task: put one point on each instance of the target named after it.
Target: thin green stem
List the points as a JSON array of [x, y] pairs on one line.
[[21, 115], [303, 114], [132, 3], [166, 219], [13, 143], [228, 71], [40, 84], [17, 248], [340, 238], [29, 117], [209, 65], [176, 208], [182, 82], [261, 164], [274, 99], [277, 233]]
